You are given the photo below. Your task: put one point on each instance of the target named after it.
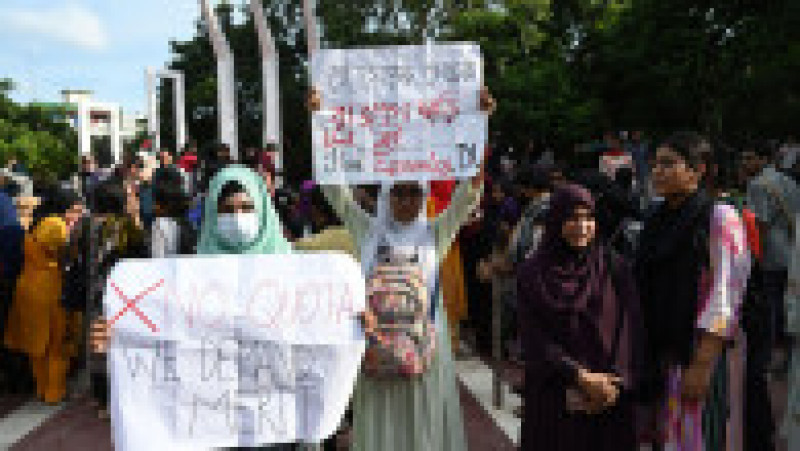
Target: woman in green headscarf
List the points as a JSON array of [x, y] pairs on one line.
[[239, 217]]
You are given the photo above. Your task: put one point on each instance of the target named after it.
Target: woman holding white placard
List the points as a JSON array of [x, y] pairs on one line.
[[418, 408], [239, 218]]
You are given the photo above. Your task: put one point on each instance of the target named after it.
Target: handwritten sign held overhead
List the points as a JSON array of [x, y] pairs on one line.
[[232, 350], [401, 113]]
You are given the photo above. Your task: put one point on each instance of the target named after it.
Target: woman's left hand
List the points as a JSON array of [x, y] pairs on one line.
[[696, 380], [481, 175], [487, 102], [697, 376]]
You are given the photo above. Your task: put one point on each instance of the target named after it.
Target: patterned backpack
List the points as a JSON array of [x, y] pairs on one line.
[[404, 339]]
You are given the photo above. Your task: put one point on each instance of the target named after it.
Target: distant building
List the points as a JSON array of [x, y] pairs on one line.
[[100, 116], [131, 124]]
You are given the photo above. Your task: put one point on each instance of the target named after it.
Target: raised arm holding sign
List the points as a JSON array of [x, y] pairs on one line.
[[400, 116]]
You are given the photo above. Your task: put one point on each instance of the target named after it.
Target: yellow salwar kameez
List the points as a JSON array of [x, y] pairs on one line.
[[37, 323]]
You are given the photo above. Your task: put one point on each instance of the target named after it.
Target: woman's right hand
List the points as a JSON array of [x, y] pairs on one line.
[[314, 100], [600, 388], [99, 335], [368, 321]]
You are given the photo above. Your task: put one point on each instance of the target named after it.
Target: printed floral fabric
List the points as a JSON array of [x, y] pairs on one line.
[[690, 426], [404, 340]]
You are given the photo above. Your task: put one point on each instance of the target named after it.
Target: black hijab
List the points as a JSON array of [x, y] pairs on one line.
[[673, 255]]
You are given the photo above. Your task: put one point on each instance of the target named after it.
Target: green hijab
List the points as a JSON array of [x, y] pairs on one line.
[[270, 239]]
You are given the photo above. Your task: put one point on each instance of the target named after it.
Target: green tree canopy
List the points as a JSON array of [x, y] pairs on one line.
[[562, 71], [37, 137]]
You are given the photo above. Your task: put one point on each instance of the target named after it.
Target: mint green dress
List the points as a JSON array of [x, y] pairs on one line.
[[270, 239], [422, 414]]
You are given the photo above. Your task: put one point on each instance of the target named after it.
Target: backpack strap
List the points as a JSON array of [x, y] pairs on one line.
[[434, 299]]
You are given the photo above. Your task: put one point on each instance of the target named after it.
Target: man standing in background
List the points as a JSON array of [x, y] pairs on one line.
[[775, 199]]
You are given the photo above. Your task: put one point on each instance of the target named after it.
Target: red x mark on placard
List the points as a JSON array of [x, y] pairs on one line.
[[130, 304]]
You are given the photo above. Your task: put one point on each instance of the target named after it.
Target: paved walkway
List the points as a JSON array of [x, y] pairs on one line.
[[33, 426], [476, 378]]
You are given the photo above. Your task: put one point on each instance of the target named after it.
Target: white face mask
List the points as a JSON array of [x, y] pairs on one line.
[[238, 228]]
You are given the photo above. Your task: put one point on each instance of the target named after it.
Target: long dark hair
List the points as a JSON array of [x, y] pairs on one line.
[[55, 201], [169, 193], [109, 198]]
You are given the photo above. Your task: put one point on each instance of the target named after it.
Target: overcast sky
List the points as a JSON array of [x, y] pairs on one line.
[[101, 45]]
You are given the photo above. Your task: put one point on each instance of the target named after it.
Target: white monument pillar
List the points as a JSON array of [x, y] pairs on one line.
[[116, 138], [226, 81], [179, 88], [84, 124], [271, 108], [312, 35], [179, 105], [153, 127]]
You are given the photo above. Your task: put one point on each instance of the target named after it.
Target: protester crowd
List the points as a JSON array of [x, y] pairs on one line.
[[646, 304]]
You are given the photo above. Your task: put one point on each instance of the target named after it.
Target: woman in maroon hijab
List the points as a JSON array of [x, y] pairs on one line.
[[582, 332]]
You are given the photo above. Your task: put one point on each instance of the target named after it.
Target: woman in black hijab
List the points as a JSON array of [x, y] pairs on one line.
[[581, 332]]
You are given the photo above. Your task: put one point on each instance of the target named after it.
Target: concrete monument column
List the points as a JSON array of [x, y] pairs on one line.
[[84, 124], [312, 34], [271, 104], [179, 88], [179, 105], [153, 127], [116, 138], [226, 81]]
